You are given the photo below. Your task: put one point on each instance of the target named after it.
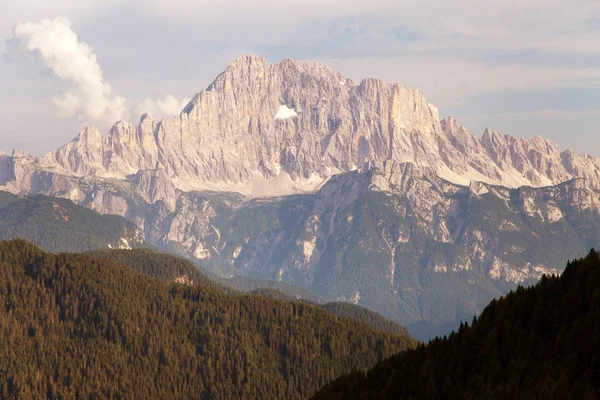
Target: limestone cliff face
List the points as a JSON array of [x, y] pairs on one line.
[[265, 129], [516, 162], [262, 130]]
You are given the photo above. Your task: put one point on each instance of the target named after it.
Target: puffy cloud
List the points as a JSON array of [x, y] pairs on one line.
[[73, 61], [157, 108]]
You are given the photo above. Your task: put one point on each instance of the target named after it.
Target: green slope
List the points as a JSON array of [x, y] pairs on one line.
[[60, 225], [75, 326], [170, 268], [161, 266]]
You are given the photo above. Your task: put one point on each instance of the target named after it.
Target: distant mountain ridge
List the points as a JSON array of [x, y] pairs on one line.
[[59, 225], [169, 268], [273, 169], [263, 129]]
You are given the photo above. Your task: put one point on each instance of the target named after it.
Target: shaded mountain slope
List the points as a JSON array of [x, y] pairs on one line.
[[58, 225], [165, 267], [540, 342]]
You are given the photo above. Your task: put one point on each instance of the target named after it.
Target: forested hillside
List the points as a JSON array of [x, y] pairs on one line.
[[60, 225], [541, 342], [250, 283], [161, 266], [171, 268], [72, 325], [371, 318]]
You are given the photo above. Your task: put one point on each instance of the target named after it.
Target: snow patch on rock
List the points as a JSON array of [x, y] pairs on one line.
[[285, 113], [236, 252], [201, 253]]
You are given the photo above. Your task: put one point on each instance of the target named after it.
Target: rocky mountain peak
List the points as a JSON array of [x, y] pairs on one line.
[[20, 154], [544, 146], [284, 128], [492, 139], [460, 137], [89, 135], [249, 72], [145, 117]]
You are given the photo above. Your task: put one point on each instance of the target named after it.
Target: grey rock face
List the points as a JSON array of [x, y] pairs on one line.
[[262, 129], [398, 239]]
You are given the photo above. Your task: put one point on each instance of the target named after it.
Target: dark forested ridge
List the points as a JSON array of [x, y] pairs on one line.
[[541, 342], [246, 283], [165, 267], [371, 318], [58, 225], [81, 326], [171, 268]]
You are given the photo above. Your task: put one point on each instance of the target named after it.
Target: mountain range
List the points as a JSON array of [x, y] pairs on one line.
[[360, 192]]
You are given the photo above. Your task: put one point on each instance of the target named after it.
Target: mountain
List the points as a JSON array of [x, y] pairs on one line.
[[414, 247], [358, 192], [374, 320], [72, 325], [540, 342], [60, 225], [262, 129]]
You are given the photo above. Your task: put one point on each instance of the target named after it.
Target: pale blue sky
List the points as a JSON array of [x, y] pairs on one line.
[[520, 67]]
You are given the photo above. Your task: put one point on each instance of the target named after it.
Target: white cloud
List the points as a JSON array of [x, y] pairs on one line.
[[158, 108], [73, 61], [32, 10]]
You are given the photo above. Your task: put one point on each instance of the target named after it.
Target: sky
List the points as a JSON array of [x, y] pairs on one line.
[[522, 67]]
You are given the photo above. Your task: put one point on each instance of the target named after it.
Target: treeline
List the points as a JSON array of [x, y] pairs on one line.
[[250, 284], [81, 326], [367, 316], [162, 266], [537, 343]]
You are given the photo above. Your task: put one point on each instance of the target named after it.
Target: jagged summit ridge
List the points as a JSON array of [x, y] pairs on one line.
[[269, 129]]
